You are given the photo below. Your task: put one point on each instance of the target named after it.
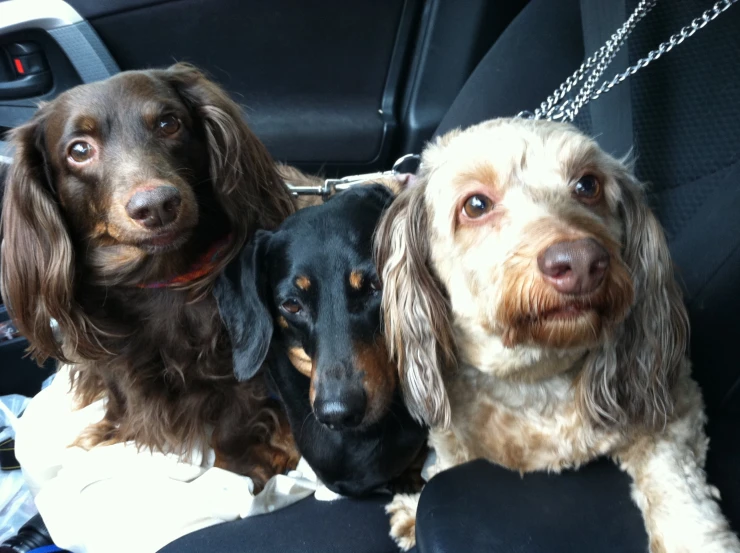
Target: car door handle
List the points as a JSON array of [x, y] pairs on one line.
[[29, 73], [25, 87]]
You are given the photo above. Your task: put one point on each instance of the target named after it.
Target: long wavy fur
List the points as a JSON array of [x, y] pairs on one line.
[[168, 375], [415, 308], [630, 379]]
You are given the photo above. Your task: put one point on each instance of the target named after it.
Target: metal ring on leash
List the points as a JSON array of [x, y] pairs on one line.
[[405, 164]]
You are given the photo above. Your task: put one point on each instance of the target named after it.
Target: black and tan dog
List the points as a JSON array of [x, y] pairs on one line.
[[305, 300]]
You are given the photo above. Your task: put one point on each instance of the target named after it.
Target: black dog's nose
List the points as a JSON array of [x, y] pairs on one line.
[[155, 207], [346, 411]]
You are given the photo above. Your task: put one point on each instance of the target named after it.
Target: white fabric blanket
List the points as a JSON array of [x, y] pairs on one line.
[[115, 498]]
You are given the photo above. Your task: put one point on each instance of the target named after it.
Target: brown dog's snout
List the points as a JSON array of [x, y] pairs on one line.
[[574, 267], [154, 207]]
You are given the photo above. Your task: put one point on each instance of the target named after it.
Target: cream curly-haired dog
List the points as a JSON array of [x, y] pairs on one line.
[[531, 305]]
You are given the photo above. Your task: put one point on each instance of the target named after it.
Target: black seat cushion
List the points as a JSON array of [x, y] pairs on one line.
[[309, 526], [492, 509]]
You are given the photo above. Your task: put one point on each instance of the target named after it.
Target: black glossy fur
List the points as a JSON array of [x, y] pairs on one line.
[[309, 290]]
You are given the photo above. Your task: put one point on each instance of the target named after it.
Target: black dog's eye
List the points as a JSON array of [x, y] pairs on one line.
[[168, 124], [81, 152], [588, 188], [292, 306], [477, 206], [375, 286]]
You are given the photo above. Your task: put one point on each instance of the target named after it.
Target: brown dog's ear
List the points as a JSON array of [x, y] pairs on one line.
[[631, 380], [37, 260], [416, 314], [243, 173]]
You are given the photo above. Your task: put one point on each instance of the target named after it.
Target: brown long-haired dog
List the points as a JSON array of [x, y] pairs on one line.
[[125, 200], [531, 303]]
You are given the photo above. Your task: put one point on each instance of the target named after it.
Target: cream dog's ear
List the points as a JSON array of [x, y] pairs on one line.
[[416, 313], [631, 379]]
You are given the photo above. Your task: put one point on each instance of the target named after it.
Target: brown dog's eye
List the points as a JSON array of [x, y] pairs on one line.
[[588, 188], [81, 152], [292, 306], [477, 205], [169, 124]]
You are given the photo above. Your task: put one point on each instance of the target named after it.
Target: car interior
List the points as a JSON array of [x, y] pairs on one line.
[[339, 88]]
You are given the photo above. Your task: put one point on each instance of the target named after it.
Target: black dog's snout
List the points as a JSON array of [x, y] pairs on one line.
[[344, 409], [155, 207]]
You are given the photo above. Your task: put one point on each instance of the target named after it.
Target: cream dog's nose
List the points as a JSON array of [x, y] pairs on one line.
[[574, 267]]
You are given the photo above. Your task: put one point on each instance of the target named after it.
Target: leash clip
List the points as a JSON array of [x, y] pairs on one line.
[[405, 164]]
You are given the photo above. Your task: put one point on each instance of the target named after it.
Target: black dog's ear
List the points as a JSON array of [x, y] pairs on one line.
[[377, 193], [380, 193], [243, 309]]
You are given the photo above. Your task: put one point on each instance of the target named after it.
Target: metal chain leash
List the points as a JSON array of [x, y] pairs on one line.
[[559, 107], [689, 30], [601, 59]]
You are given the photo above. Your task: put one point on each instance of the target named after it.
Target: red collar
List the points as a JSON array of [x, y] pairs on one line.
[[202, 266]]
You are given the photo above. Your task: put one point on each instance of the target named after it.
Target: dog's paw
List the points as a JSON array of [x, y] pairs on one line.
[[403, 519]]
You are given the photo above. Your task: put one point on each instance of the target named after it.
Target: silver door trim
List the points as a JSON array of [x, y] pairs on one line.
[[75, 36], [19, 15]]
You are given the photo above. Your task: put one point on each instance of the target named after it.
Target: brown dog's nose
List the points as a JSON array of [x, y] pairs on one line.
[[155, 207], [576, 267]]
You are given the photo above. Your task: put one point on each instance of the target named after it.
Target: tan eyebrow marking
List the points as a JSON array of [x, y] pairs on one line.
[[85, 124], [303, 282], [483, 173], [356, 279]]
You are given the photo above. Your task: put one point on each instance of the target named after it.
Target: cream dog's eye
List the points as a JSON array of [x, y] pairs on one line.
[[587, 188], [168, 124], [477, 205]]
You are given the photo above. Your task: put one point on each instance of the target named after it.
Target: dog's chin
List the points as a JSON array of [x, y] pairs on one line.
[[568, 326], [568, 313], [164, 242]]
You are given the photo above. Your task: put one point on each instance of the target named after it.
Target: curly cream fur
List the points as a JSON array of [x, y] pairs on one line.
[[523, 390], [403, 519]]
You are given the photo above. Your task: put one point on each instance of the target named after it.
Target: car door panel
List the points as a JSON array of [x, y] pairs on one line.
[[313, 79]]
